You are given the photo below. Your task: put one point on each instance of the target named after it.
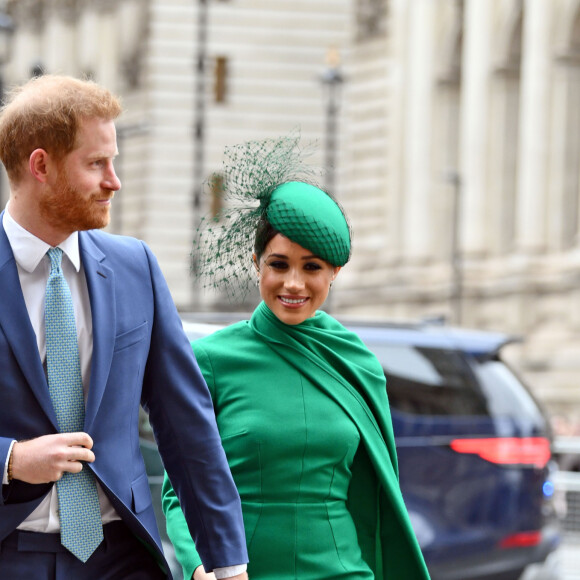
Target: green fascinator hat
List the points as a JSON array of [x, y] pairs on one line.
[[266, 180], [311, 218]]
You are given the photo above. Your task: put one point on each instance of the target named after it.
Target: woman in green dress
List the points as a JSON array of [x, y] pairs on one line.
[[302, 410]]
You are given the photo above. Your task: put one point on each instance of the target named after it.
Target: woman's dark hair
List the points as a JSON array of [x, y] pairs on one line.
[[264, 233]]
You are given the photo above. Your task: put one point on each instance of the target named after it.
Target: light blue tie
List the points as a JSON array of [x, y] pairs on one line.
[[81, 529]]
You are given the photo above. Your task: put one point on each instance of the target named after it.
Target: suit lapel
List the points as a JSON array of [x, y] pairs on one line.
[[101, 286], [17, 328]]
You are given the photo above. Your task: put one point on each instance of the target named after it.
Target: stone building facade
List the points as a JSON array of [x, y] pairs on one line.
[[481, 189], [457, 151]]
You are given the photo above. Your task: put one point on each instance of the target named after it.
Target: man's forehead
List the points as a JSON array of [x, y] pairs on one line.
[[97, 134]]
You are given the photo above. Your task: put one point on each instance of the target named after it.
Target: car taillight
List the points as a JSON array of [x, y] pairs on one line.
[[521, 540], [507, 450]]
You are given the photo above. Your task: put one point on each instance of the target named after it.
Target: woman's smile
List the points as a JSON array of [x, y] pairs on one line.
[[292, 302]]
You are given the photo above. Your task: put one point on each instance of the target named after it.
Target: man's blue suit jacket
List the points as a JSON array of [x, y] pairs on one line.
[[140, 355]]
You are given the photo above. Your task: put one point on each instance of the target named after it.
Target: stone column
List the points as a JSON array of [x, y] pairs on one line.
[[418, 115], [560, 136], [397, 71], [108, 57], [89, 47], [59, 41], [534, 123], [28, 17], [476, 68]]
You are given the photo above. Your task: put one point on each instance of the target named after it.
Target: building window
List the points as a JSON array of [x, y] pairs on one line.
[[216, 189], [371, 19], [220, 84]]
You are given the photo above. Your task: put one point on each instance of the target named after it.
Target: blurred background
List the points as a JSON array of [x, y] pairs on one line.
[[448, 129]]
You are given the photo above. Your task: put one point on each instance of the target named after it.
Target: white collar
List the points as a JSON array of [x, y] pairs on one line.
[[29, 250]]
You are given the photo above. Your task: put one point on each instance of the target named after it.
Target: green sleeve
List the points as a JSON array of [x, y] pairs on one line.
[[176, 525], [178, 531]]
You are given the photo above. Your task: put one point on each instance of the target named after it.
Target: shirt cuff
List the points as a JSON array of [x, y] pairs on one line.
[[5, 475], [229, 571]]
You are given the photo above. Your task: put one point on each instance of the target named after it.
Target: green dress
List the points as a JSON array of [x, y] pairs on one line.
[[303, 415]]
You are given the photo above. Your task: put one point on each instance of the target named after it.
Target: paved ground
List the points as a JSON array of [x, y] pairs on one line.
[[570, 558]]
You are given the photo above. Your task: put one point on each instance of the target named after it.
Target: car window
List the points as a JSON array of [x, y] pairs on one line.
[[505, 392], [429, 381], [409, 362]]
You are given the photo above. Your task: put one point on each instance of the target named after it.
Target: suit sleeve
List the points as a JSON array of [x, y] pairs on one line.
[[176, 526], [5, 448], [182, 417]]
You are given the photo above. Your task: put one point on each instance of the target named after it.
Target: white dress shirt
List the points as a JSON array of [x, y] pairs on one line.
[[33, 269]]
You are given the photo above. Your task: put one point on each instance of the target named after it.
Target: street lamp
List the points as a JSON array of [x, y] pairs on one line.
[[332, 79], [199, 124], [456, 294], [199, 101]]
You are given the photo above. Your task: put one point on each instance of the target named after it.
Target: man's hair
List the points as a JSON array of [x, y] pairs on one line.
[[45, 113]]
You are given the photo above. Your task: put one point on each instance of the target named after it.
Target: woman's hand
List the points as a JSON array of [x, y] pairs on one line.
[[200, 574]]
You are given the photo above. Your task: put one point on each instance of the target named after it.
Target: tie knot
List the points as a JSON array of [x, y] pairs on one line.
[[55, 255]]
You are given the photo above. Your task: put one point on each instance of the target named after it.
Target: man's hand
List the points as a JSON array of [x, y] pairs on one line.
[[47, 458]]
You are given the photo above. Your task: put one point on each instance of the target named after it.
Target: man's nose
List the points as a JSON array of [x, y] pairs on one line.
[[111, 181]]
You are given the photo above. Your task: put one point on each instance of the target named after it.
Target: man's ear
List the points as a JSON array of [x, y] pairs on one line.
[[38, 164]]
